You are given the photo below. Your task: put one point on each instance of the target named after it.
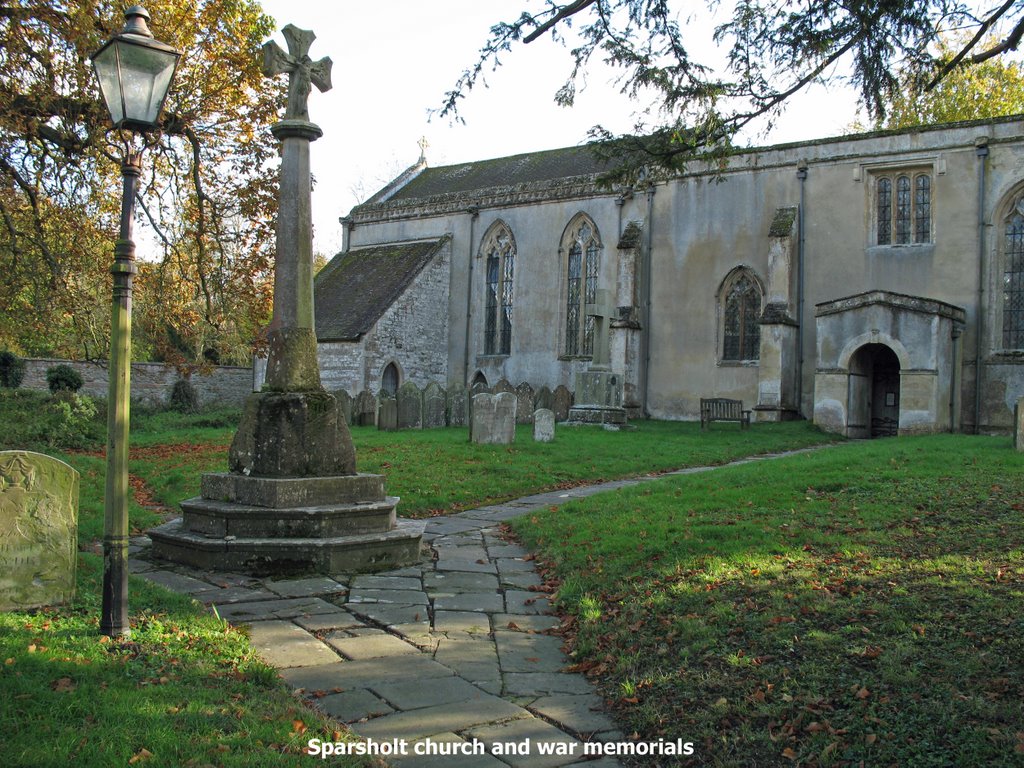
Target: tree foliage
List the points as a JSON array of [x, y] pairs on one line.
[[771, 49], [206, 205]]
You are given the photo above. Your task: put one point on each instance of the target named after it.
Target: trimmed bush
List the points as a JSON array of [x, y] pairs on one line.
[[12, 370], [63, 377], [184, 398]]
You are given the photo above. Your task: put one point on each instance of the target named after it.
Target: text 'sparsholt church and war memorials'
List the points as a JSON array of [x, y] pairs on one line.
[[873, 283]]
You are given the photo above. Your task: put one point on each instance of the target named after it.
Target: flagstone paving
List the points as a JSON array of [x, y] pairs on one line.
[[452, 649]]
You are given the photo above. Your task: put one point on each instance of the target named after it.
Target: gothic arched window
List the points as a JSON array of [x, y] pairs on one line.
[[740, 299], [499, 252], [582, 244], [389, 380], [1012, 282]]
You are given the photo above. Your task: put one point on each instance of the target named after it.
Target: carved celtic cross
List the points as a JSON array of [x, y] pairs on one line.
[[301, 69]]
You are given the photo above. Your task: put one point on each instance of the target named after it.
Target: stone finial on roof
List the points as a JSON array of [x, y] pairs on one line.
[[423, 144]]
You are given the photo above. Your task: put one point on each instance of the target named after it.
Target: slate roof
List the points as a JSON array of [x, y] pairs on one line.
[[529, 168], [355, 288]]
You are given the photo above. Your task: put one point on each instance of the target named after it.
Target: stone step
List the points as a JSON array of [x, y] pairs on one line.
[[291, 492], [273, 556], [218, 519]]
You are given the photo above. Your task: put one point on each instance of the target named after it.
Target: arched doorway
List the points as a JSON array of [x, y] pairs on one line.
[[389, 381], [874, 404]]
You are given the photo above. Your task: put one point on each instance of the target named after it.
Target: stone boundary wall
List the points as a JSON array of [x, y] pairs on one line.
[[151, 382]]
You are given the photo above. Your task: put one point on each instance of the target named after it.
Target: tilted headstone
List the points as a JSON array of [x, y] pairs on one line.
[[503, 385], [435, 406], [544, 399], [38, 530], [344, 406], [458, 405], [387, 416], [524, 403], [561, 402], [543, 425], [479, 388], [364, 412], [1018, 425], [494, 419], [410, 406]]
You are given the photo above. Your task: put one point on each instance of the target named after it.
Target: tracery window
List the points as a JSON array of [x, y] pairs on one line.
[[741, 296], [583, 246], [1013, 278], [903, 208], [499, 252]]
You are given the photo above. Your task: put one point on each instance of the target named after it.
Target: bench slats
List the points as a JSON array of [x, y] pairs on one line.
[[723, 409]]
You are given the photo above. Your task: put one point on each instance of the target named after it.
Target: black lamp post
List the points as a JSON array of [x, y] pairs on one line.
[[134, 73]]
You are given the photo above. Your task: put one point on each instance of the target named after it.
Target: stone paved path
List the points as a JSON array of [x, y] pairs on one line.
[[453, 648]]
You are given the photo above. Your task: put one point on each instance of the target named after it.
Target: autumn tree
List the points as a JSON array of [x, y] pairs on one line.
[[205, 211], [769, 51]]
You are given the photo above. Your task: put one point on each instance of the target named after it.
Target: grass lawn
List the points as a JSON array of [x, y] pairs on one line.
[[855, 606]]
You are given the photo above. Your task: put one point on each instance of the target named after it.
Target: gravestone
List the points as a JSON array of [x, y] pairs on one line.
[[434, 406], [599, 389], [561, 402], [503, 385], [543, 425], [1018, 425], [524, 403], [410, 406], [494, 419], [544, 398], [344, 406], [38, 530], [387, 417], [479, 388], [458, 405], [364, 412]]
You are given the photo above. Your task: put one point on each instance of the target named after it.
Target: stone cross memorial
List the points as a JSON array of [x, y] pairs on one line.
[[38, 530], [292, 501]]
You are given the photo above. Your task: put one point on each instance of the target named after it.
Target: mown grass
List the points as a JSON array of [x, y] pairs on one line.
[[854, 606], [186, 689]]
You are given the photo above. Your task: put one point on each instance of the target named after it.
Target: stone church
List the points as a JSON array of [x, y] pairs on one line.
[[873, 283]]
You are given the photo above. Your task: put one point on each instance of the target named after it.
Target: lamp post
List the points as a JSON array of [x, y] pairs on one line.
[[134, 73]]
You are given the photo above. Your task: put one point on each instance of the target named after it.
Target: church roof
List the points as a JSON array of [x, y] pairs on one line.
[[529, 168], [355, 288]]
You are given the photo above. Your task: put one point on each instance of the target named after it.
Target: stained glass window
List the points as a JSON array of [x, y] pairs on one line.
[[1013, 282], [903, 209], [582, 270], [499, 250], [741, 313]]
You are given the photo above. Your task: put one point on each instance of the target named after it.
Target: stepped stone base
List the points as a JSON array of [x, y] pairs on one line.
[[597, 414], [290, 525]]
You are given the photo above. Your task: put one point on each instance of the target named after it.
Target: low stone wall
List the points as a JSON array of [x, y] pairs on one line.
[[151, 382]]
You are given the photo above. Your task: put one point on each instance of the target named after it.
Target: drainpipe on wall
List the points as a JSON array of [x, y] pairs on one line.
[[801, 174], [474, 214], [646, 337], [981, 149]]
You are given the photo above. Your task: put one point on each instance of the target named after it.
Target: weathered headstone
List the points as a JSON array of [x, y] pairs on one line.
[[410, 406], [364, 412], [434, 406], [458, 405], [494, 419], [561, 402], [543, 425], [503, 385], [1018, 425], [344, 406], [524, 403], [479, 388], [544, 399], [38, 530], [387, 417]]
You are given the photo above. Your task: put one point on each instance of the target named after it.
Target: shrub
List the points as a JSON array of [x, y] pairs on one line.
[[12, 370], [72, 420], [63, 377], [184, 398]]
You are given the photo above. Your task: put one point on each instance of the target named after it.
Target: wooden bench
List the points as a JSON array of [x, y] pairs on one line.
[[723, 409]]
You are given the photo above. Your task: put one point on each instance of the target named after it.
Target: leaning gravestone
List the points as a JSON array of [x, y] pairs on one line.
[[410, 406], [543, 425], [38, 530], [434, 406], [344, 406], [503, 385], [387, 418], [494, 419], [458, 405], [1018, 425], [561, 402], [544, 398], [524, 404]]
